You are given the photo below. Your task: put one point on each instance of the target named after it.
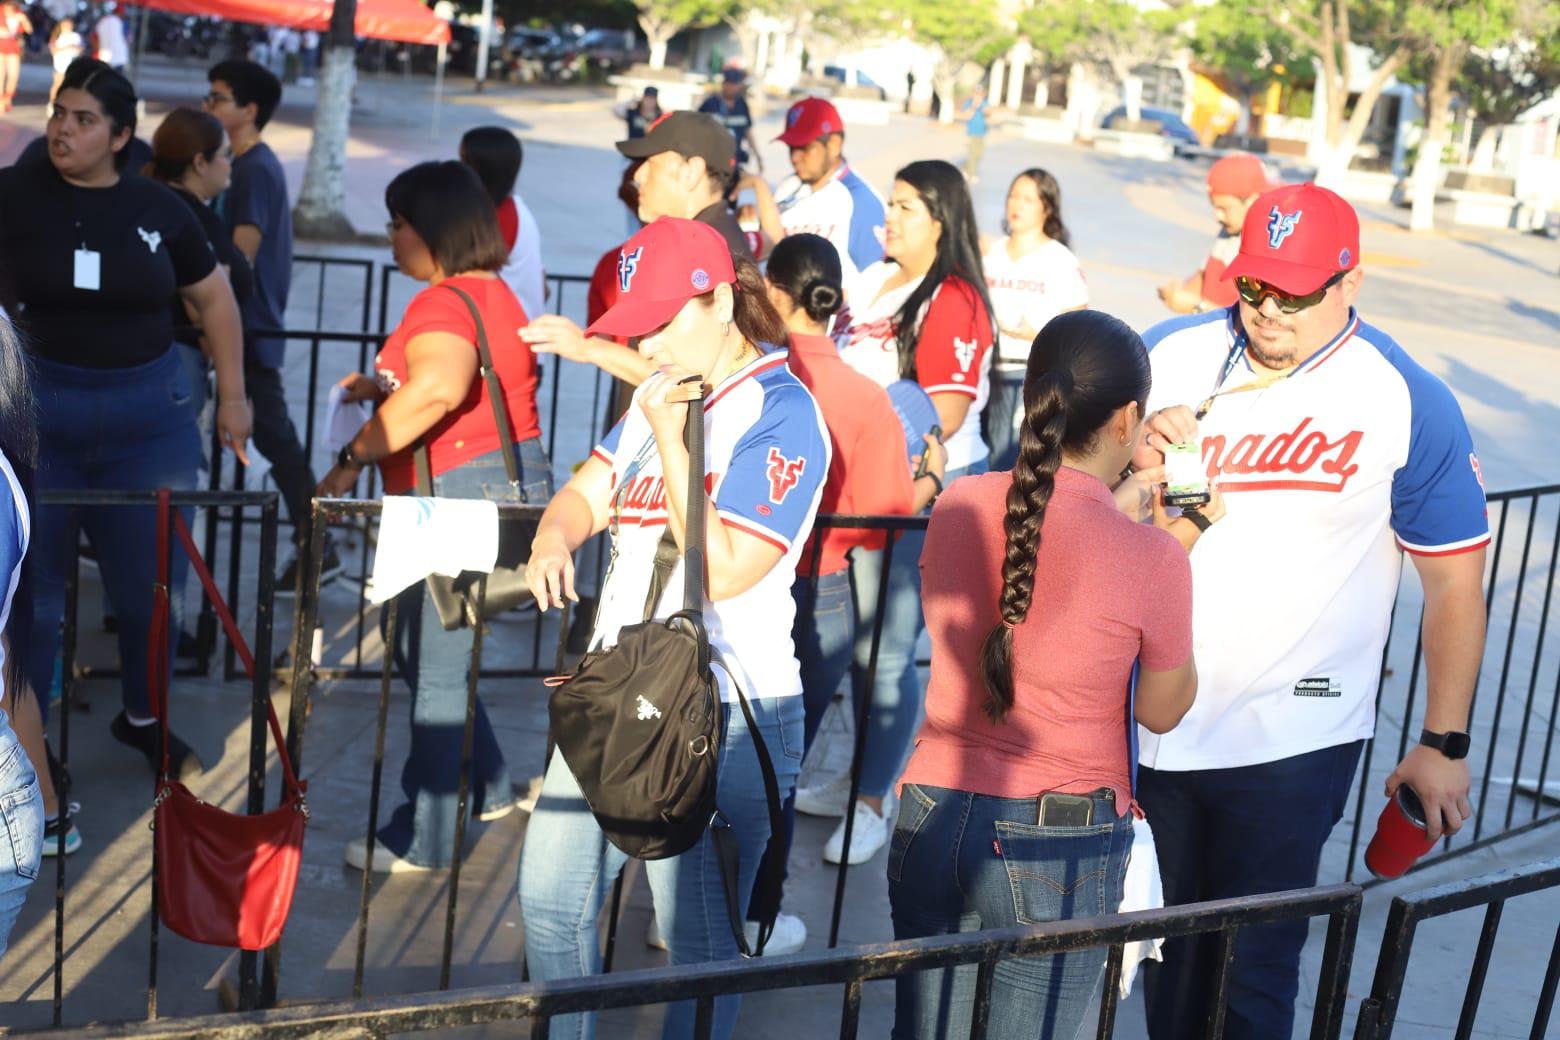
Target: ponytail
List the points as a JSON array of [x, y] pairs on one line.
[[1083, 367]]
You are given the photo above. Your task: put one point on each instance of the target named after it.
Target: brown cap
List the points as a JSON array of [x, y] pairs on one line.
[[688, 134]]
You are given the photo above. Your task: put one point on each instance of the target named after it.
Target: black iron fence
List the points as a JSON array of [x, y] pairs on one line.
[[1378, 1012], [848, 968], [251, 985]]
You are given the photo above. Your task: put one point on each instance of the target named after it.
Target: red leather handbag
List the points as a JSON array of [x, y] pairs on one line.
[[222, 878]]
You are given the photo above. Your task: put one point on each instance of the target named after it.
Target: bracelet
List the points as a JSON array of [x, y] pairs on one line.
[[1202, 523], [936, 480], [346, 460]]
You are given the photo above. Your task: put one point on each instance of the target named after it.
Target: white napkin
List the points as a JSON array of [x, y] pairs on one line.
[[423, 536], [1141, 890], [342, 422]]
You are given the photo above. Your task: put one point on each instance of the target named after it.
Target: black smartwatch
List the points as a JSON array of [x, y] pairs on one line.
[[1202, 523], [1453, 745], [345, 459]]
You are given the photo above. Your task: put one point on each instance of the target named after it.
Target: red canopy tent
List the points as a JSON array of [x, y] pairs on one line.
[[405, 21]]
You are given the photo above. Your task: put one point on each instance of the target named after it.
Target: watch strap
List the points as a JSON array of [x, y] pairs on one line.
[[1202, 523]]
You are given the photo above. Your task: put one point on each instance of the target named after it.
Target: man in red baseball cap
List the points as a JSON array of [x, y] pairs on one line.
[[824, 196], [1338, 456], [1234, 182]]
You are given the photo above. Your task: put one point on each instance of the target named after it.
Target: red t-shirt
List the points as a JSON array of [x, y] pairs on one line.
[[470, 430], [868, 472], [603, 291], [509, 223], [1215, 289], [1108, 592]]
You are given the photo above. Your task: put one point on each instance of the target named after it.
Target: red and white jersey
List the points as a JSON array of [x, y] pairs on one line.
[[952, 353], [1328, 476], [1031, 291], [843, 209], [766, 456]]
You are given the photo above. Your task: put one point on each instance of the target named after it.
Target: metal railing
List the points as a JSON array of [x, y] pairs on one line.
[[251, 985], [1378, 1012], [849, 968]]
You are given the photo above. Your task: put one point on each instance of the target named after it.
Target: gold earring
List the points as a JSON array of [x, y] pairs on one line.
[[725, 328]]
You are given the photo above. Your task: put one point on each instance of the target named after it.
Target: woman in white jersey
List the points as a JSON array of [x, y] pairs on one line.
[[921, 313], [1032, 276], [693, 310]]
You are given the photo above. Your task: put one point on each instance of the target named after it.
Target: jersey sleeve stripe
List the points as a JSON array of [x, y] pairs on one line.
[[602, 455], [747, 526], [953, 388], [1449, 549]]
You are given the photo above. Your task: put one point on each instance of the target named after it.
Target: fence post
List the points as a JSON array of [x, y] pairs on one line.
[[250, 992]]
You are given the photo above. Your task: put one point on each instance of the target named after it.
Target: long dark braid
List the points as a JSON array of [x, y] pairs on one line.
[[1083, 366]]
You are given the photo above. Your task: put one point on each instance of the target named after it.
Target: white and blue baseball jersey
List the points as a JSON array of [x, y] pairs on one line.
[[766, 455], [843, 209], [1329, 475]]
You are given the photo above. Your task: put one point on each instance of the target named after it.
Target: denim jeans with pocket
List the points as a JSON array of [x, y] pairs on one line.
[[896, 686], [21, 821], [823, 632], [105, 429], [436, 664], [567, 864], [962, 862]]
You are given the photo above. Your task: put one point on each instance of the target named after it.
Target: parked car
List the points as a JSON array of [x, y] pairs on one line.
[[1170, 125], [860, 80]]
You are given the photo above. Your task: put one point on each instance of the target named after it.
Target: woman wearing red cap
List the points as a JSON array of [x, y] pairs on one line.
[[693, 311]]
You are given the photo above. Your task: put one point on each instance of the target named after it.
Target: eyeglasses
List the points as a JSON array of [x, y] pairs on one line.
[[214, 99], [394, 224], [1254, 292]]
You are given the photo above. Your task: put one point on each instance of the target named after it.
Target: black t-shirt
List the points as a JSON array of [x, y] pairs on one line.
[[240, 275], [719, 217], [147, 245]]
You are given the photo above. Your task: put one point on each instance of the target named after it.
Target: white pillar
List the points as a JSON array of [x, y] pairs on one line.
[[1015, 90], [761, 54], [994, 86]]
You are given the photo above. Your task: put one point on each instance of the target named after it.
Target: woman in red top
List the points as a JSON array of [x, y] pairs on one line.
[[868, 475], [14, 25], [444, 231], [1041, 596]]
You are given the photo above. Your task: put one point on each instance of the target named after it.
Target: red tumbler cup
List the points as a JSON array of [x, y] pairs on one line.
[[1400, 836]]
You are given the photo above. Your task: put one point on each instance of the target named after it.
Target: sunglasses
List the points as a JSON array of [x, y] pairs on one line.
[[1254, 292]]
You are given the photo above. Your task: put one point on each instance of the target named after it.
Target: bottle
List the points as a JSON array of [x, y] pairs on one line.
[[1401, 836]]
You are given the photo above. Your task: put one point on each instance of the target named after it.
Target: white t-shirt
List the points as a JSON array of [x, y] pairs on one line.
[[1031, 291], [844, 209], [66, 49], [766, 454], [112, 46], [952, 354], [523, 273], [1328, 476]]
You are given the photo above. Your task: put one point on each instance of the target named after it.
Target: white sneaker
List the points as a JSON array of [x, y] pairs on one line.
[[653, 938], [869, 834], [790, 933], [385, 861], [825, 799]]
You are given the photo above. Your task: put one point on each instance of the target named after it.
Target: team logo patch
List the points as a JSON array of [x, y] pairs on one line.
[[628, 265], [964, 351], [1344, 256], [700, 279], [646, 710], [1319, 687], [783, 474], [1281, 226], [792, 116], [1478, 471], [153, 239]]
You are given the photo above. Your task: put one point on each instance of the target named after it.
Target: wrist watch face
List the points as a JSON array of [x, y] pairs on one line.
[[1452, 745]]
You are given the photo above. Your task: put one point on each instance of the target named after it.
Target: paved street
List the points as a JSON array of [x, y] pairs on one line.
[[1476, 307]]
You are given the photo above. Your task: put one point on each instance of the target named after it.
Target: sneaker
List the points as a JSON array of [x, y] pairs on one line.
[[385, 861], [790, 934], [869, 834], [183, 762], [653, 938], [331, 568], [526, 802], [51, 835], [825, 799]]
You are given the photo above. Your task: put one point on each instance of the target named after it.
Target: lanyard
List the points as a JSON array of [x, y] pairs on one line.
[[1260, 383]]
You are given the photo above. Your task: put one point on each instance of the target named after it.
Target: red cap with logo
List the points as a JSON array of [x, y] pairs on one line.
[[1296, 237], [810, 119], [663, 267]]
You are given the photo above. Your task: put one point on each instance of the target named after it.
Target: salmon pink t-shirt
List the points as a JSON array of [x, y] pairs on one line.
[[1108, 592], [470, 430]]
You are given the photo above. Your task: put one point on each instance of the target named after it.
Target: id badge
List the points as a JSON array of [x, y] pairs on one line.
[[89, 270]]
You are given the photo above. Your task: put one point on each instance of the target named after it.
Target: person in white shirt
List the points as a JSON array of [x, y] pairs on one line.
[[495, 153], [112, 47], [1032, 276]]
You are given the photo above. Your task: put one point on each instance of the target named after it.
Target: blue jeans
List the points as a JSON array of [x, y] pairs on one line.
[[1225, 833], [21, 820], [824, 631], [999, 422], [944, 878], [109, 429], [566, 865], [436, 664], [896, 687]]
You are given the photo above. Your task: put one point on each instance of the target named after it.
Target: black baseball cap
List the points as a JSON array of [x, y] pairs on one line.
[[688, 134]]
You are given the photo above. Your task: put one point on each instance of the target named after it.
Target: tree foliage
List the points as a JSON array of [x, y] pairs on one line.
[[1248, 52], [1117, 32]]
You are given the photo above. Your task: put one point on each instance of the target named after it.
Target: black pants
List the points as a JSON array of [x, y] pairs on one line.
[[1223, 833], [277, 439]]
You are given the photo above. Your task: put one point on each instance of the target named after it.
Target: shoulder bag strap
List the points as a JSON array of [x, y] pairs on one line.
[[495, 389], [666, 554]]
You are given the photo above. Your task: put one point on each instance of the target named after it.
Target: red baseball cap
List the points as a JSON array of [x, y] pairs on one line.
[[1296, 237], [663, 267], [1240, 174], [808, 120]]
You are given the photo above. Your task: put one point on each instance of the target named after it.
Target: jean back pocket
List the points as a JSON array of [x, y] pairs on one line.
[[914, 808], [1058, 873], [21, 812]]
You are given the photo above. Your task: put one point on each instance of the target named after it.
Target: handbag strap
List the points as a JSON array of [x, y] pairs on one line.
[[495, 392], [170, 520], [666, 554]]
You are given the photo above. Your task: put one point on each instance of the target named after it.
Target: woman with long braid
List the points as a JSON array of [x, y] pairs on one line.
[[1041, 597]]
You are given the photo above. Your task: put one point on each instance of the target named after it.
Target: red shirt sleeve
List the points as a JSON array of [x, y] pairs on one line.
[[1215, 289], [438, 310], [603, 291], [955, 336], [1167, 607]]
